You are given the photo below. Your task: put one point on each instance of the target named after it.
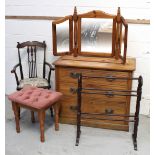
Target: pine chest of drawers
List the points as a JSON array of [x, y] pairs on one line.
[[67, 66]]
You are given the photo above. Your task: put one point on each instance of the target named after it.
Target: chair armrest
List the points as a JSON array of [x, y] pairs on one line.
[[14, 68], [50, 66], [14, 71]]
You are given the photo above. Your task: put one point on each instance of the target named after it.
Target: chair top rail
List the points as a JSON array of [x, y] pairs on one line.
[[31, 43]]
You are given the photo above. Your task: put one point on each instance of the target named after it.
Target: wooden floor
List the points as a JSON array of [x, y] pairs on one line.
[[94, 141]]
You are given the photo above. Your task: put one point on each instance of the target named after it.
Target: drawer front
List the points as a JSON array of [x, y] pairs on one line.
[[66, 77], [69, 111], [91, 72], [90, 104], [70, 90]]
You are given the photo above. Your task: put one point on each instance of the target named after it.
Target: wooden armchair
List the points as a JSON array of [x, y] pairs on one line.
[[33, 79]]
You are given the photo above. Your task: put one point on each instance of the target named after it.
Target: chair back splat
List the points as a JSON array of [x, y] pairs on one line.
[[32, 60]]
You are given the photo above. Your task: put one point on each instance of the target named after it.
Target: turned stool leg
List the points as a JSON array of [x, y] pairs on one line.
[[41, 115], [32, 117], [19, 112], [16, 113], [56, 111]]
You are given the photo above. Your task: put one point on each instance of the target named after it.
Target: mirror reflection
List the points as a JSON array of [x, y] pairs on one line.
[[62, 34], [96, 35]]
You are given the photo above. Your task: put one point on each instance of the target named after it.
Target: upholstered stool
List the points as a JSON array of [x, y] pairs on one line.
[[36, 99]]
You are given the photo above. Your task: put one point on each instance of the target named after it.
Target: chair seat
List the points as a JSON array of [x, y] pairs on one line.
[[36, 82], [34, 97]]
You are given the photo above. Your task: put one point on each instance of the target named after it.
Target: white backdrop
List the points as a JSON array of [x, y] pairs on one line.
[[23, 30]]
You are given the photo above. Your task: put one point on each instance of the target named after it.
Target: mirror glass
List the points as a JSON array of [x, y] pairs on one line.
[[62, 35], [96, 35]]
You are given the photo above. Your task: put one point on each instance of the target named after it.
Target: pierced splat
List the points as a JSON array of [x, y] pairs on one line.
[[31, 50]]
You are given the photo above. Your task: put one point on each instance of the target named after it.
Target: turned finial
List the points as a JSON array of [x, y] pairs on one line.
[[75, 14], [118, 10], [75, 10], [118, 14]]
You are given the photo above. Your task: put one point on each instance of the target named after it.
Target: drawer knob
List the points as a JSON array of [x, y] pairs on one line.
[[109, 111], [74, 75], [73, 90], [110, 78], [109, 94], [74, 108]]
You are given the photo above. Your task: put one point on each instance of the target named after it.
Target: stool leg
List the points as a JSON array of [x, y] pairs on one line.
[[19, 112], [51, 109], [56, 110], [32, 117], [41, 115], [16, 110]]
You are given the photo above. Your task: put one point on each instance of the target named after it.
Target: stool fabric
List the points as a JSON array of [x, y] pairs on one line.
[[34, 97]]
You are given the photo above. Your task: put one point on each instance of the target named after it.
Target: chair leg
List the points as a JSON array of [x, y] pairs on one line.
[[41, 115], [19, 112], [51, 109], [32, 117], [16, 108], [56, 110]]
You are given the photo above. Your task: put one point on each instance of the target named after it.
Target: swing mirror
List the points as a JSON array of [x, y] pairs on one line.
[[95, 33], [62, 36]]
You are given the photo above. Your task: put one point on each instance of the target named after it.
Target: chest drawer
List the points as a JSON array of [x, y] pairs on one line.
[[70, 90], [69, 108], [66, 77], [93, 106]]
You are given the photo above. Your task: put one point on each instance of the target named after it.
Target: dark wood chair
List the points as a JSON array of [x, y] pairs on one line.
[[33, 79]]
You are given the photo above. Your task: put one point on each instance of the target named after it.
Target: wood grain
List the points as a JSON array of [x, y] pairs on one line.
[[93, 103], [96, 63]]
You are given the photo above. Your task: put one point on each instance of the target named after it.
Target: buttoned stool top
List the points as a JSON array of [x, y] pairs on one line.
[[34, 97]]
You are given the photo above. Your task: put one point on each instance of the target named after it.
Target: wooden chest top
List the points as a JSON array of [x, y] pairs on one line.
[[96, 63]]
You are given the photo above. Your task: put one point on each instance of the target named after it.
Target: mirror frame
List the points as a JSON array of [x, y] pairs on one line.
[[123, 23], [54, 33], [75, 43], [97, 14]]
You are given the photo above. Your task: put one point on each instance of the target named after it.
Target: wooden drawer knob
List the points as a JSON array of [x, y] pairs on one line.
[[74, 75], [73, 90], [109, 111], [109, 94], [110, 78]]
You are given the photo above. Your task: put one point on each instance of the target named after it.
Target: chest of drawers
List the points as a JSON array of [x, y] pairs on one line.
[[67, 66]]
